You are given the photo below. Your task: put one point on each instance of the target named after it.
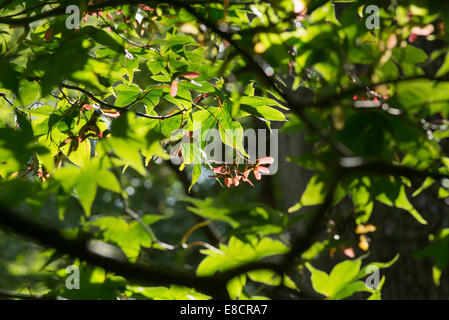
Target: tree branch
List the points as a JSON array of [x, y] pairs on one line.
[[80, 248], [124, 108]]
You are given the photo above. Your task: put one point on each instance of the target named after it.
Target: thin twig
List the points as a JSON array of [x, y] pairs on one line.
[[2, 95], [124, 108]]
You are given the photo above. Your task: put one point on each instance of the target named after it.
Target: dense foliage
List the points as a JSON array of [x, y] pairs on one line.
[[106, 112]]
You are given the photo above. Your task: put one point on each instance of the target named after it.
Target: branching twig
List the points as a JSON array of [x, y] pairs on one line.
[[2, 95], [114, 29], [124, 108]]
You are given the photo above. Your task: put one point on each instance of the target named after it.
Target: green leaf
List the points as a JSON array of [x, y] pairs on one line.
[[107, 180], [320, 280], [231, 132], [444, 67], [81, 155], [363, 203], [414, 92], [401, 201], [315, 249], [94, 285], [86, 190], [426, 184], [376, 294], [271, 278], [196, 173], [313, 195], [342, 274], [343, 281], [129, 152], [264, 112], [379, 265], [67, 177], [130, 237], [103, 38], [153, 146], [235, 286], [126, 95], [408, 58], [171, 293], [205, 121], [237, 253], [350, 289], [29, 92], [255, 101]]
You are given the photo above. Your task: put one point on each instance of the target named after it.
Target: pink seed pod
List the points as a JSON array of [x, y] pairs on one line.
[[425, 31], [266, 160], [413, 37], [219, 170], [145, 7], [229, 182], [111, 113], [191, 75], [245, 176], [263, 169], [174, 88], [349, 252]]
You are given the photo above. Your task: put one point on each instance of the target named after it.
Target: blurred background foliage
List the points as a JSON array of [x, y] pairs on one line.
[[90, 116]]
